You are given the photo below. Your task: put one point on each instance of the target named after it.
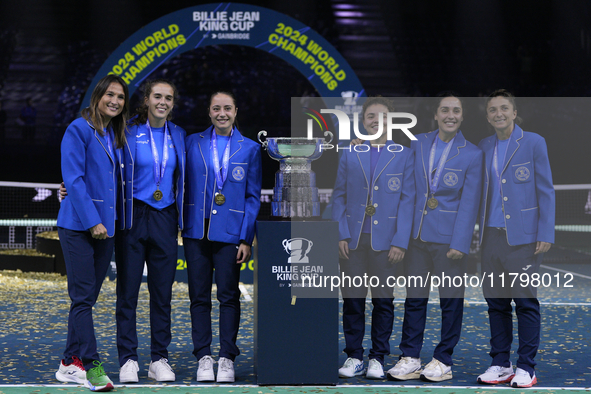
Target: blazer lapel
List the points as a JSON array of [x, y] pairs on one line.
[[459, 143], [364, 161], [385, 158], [204, 143], [132, 143], [176, 140], [235, 142], [100, 140]]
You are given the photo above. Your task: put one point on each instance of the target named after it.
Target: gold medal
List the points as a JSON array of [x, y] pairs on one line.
[[157, 195], [432, 203], [219, 199], [370, 210]]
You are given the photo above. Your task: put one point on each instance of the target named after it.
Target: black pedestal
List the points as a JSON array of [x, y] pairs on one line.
[[295, 339]]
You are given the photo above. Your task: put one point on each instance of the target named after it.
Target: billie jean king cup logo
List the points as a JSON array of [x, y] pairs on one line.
[[298, 249], [350, 97], [345, 128]]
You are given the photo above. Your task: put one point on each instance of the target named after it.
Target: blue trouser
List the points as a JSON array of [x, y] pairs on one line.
[[152, 239], [366, 261], [498, 257], [203, 257], [428, 258], [87, 261]]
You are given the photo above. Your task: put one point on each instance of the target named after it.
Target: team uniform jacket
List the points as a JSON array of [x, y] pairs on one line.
[[235, 219], [90, 175], [458, 194], [526, 188], [392, 193], [177, 135]]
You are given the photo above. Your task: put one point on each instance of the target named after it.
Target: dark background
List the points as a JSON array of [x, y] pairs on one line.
[[50, 50]]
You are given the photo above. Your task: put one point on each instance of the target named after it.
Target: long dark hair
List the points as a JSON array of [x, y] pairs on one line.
[[117, 123], [142, 110], [231, 95]]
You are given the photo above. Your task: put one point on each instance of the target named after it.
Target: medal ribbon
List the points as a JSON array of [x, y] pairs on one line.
[[159, 169], [220, 176], [434, 183], [496, 158]]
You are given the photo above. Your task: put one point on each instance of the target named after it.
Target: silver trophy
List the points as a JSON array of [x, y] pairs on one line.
[[295, 194]]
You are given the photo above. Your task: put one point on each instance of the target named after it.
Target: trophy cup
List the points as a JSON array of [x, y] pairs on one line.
[[297, 249], [295, 194]]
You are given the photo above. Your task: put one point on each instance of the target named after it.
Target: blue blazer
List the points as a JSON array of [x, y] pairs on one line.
[[235, 220], [392, 192], [458, 194], [526, 187], [90, 175], [177, 134]]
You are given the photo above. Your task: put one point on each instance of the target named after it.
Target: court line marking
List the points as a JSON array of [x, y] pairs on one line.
[[565, 271], [244, 292], [312, 387]]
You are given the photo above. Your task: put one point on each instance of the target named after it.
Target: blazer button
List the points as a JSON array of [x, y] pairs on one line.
[[122, 165], [214, 211], [375, 222], [375, 188], [424, 212], [375, 204], [508, 216], [504, 181], [505, 199]]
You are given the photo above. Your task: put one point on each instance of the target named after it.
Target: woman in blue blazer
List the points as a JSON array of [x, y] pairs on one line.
[[86, 221], [153, 167], [373, 201], [448, 174], [516, 229], [222, 201]]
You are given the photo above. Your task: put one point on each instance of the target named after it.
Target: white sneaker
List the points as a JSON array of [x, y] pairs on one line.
[[205, 370], [496, 374], [128, 372], [351, 367], [73, 372], [225, 370], [436, 371], [375, 370], [406, 368], [161, 371], [522, 378]]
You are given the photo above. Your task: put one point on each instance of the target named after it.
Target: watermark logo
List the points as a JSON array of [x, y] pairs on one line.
[[344, 125], [317, 117], [297, 249]]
